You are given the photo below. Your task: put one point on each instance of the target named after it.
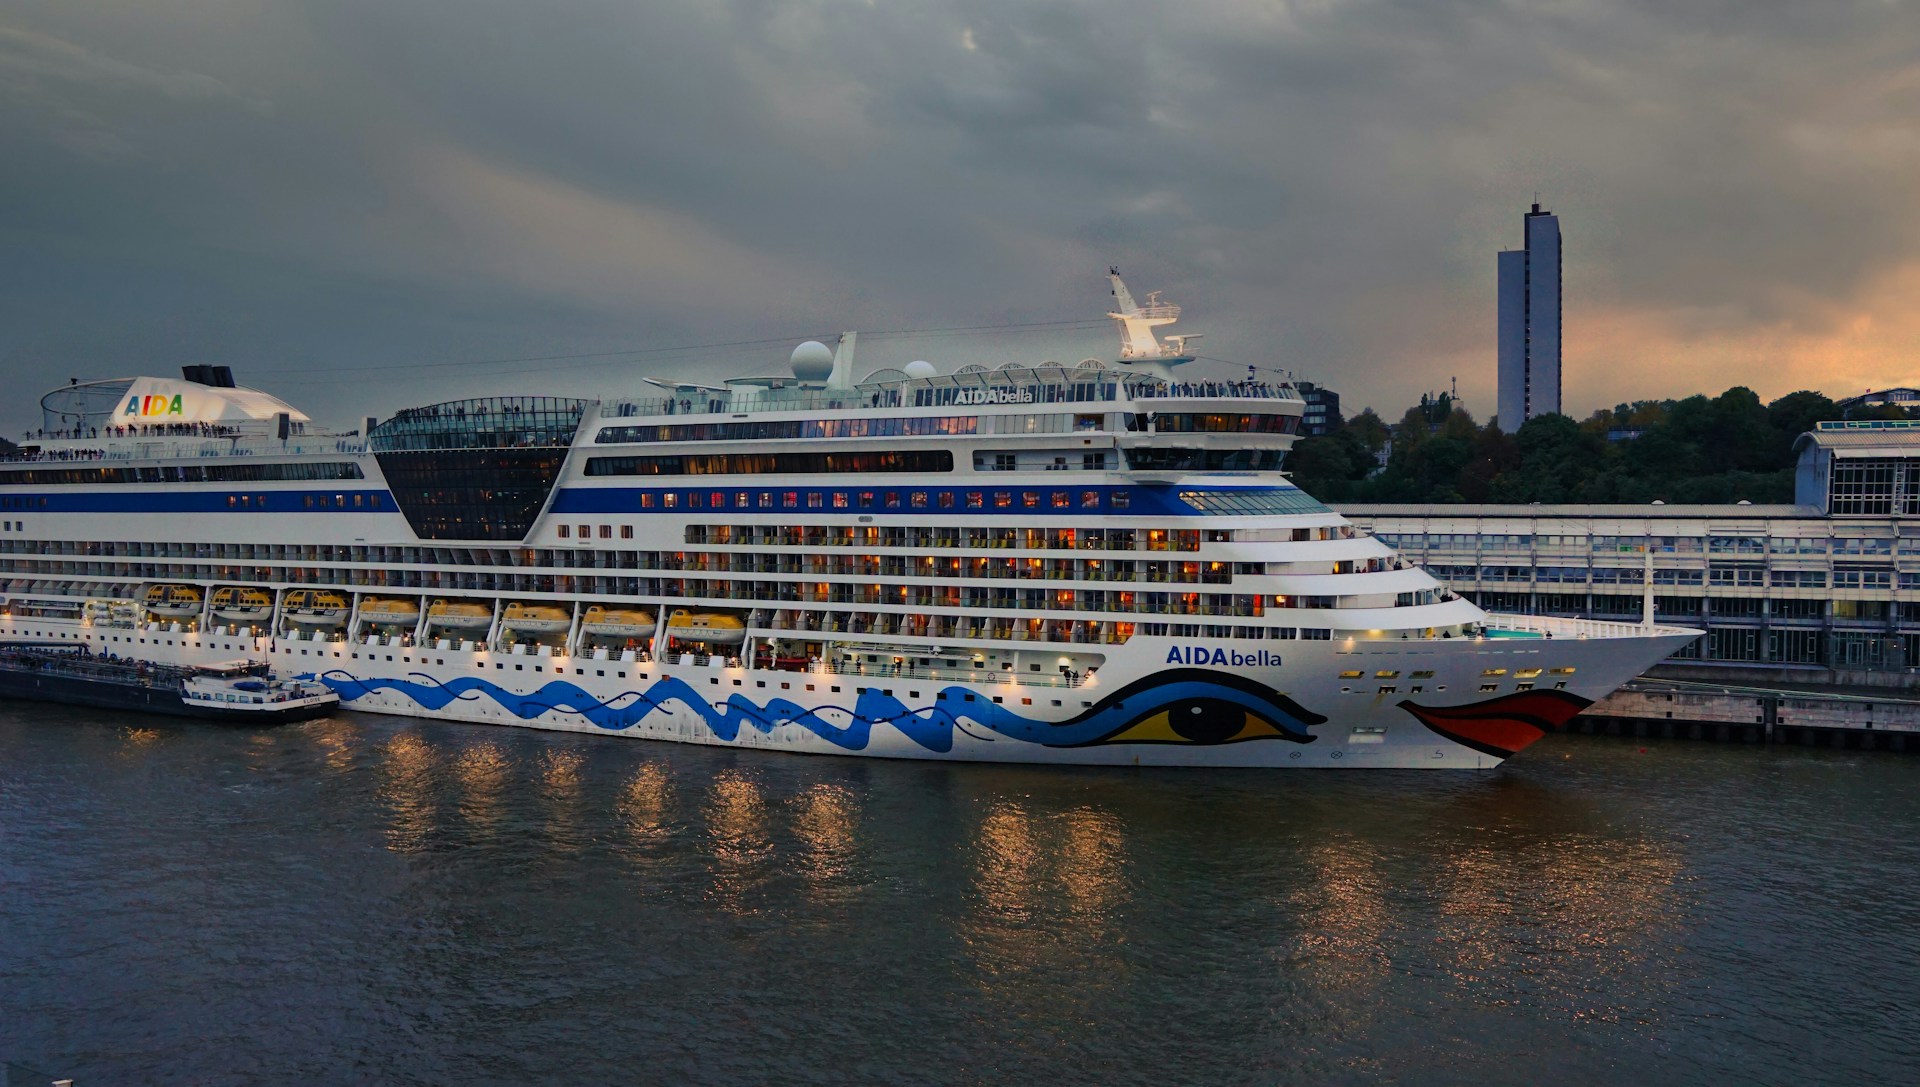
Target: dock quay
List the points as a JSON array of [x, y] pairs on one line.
[[1674, 709]]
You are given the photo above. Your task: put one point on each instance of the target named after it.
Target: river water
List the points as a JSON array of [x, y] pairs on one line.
[[379, 900]]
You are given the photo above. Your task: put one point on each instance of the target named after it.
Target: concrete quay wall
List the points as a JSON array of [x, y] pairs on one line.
[[1653, 708]]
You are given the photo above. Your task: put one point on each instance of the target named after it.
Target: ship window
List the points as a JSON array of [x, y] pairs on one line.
[[1384, 674], [374, 501], [1090, 500], [1523, 686], [563, 531], [1002, 499], [1061, 500], [1423, 674], [626, 532], [976, 500], [646, 501], [718, 500], [1485, 687], [1351, 675], [741, 500], [790, 500], [946, 500], [357, 500], [766, 500], [232, 501], [1030, 499], [606, 532], [1121, 500], [1493, 671], [815, 500], [839, 500], [893, 500], [919, 500]]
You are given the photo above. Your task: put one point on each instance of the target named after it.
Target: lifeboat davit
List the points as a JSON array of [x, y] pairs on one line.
[[242, 603], [174, 600], [456, 615], [713, 628], [617, 622], [315, 608]]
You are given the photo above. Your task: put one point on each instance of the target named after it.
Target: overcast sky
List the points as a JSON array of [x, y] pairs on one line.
[[365, 204]]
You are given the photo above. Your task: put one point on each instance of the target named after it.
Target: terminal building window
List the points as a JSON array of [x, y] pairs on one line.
[[1874, 486]]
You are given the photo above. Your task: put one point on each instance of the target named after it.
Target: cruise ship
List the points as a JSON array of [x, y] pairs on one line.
[[1093, 563]]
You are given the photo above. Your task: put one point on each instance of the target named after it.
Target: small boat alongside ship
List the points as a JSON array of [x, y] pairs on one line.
[[238, 692]]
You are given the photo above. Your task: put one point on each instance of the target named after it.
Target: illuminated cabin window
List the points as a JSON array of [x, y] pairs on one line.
[[184, 473], [774, 429], [717, 464]]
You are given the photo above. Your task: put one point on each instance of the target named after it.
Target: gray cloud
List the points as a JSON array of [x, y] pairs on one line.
[[309, 188]]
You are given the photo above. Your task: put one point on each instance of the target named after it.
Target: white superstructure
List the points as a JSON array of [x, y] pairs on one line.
[[1098, 563]]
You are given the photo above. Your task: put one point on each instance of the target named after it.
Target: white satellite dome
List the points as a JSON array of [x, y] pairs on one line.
[[920, 368], [813, 361]]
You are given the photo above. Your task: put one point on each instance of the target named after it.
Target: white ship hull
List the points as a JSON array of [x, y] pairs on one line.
[[1288, 706]]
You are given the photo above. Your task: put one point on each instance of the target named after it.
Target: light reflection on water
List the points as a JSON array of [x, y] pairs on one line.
[[826, 821], [718, 916], [409, 792]]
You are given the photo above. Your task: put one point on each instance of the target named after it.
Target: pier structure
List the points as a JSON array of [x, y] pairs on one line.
[[1665, 709], [1824, 591]]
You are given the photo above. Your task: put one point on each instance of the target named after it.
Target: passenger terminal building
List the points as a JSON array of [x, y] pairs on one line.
[[1826, 590]]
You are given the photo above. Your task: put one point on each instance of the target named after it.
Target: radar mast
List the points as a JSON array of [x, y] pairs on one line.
[[1140, 347]]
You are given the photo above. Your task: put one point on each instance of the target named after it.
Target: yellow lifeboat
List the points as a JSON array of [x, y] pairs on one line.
[[315, 608], [385, 611], [457, 615], [604, 622], [173, 600], [241, 602], [536, 618], [704, 626]]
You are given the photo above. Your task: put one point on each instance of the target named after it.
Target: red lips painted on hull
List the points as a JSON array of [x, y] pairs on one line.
[[1501, 726]]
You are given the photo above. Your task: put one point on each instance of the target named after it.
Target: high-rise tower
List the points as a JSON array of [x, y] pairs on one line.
[[1530, 323]]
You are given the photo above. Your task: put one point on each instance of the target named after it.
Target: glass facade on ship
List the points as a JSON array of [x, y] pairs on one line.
[[476, 469]]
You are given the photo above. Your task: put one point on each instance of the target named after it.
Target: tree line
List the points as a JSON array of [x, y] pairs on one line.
[[1701, 449]]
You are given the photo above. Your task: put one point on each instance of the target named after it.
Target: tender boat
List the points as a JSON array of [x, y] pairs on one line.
[[174, 601], [315, 608], [713, 628], [243, 603], [536, 619], [456, 615], [605, 622], [388, 611]]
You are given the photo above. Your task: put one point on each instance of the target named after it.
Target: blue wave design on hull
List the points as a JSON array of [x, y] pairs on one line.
[[931, 728]]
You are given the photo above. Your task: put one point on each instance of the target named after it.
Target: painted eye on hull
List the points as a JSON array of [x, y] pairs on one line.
[[1199, 721]]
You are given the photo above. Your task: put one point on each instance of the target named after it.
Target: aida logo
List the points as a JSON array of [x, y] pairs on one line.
[[149, 406], [1225, 658]]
